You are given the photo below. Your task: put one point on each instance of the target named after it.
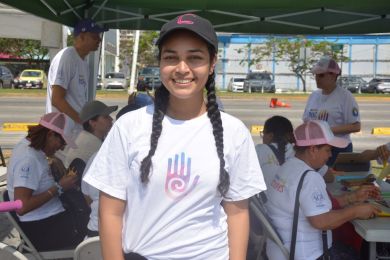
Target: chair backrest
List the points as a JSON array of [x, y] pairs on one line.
[[9, 253], [26, 247], [257, 208], [89, 249]]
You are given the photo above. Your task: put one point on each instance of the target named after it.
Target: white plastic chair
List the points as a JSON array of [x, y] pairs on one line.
[[9, 253], [89, 249], [26, 247], [257, 208]]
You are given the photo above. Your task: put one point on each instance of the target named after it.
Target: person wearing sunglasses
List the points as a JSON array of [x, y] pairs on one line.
[[333, 104]]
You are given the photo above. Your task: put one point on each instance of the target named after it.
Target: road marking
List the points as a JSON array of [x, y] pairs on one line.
[[381, 131], [17, 127]]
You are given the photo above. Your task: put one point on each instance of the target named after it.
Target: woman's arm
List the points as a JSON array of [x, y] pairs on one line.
[[238, 228], [346, 129], [111, 211], [336, 218], [31, 202]]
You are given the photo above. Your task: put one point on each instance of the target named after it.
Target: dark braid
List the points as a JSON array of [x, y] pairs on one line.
[[282, 131], [160, 108], [215, 119]]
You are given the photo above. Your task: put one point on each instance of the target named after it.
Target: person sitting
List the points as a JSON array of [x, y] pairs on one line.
[[97, 122], [43, 218], [314, 140]]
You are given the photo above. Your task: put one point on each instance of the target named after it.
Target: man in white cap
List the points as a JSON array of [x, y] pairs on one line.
[[67, 91], [97, 122], [333, 104]]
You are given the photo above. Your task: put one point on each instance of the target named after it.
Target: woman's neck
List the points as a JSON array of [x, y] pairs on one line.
[[329, 89], [185, 109]]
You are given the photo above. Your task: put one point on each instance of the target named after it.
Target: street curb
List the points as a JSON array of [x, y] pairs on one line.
[[17, 127], [381, 131]]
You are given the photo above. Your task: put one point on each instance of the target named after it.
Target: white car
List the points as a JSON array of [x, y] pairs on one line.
[[236, 84], [115, 80]]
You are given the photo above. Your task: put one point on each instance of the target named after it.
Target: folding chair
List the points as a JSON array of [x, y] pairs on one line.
[[9, 253], [89, 249], [257, 208], [26, 247]]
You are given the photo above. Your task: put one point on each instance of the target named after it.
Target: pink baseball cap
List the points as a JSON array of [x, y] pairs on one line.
[[317, 132], [326, 64], [56, 121]]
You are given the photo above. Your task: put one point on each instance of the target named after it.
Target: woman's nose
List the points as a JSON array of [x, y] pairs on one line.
[[182, 67]]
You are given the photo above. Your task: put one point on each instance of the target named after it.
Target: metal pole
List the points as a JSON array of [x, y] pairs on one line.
[[134, 63]]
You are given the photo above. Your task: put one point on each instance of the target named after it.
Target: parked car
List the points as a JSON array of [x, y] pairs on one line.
[[259, 81], [148, 78], [31, 78], [6, 77], [352, 83], [99, 82], [236, 84], [115, 80], [377, 85]]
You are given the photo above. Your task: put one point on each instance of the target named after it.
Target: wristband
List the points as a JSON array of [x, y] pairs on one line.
[[59, 188]]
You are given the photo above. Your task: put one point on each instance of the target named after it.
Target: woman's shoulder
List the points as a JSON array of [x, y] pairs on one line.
[[232, 121]]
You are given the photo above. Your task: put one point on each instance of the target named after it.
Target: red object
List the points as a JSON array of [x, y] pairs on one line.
[[346, 232], [275, 103]]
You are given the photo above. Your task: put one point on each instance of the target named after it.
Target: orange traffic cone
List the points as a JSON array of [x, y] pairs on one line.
[[282, 104], [273, 101]]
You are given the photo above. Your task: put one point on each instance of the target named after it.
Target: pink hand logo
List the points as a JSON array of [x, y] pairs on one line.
[[177, 181], [181, 19]]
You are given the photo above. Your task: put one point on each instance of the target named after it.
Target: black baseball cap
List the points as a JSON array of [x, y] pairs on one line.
[[191, 22], [87, 25]]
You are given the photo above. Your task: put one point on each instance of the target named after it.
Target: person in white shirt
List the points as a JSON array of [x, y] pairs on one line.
[[29, 178], [333, 104], [97, 122], [68, 77], [175, 177], [314, 140]]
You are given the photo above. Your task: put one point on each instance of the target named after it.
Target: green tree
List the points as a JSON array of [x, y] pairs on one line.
[[29, 49], [300, 53], [147, 51]]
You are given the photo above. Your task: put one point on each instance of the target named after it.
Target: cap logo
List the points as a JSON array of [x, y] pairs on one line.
[[181, 19]]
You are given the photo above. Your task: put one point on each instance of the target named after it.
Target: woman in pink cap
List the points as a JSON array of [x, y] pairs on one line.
[[314, 140], [333, 104], [29, 178]]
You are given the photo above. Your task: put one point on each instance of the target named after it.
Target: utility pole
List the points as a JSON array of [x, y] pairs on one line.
[[134, 63]]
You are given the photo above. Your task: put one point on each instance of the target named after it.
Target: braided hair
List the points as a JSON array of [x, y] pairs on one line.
[[282, 131], [160, 109]]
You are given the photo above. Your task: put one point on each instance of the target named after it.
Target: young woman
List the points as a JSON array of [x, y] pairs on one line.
[[277, 147], [314, 141], [175, 176], [43, 218]]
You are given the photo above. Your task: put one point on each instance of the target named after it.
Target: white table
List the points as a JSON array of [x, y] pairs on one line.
[[372, 230]]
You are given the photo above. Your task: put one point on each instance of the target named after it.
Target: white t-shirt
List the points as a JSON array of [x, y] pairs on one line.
[[178, 214], [29, 168], [270, 164], [87, 144], [313, 200], [71, 72], [93, 194], [337, 108]]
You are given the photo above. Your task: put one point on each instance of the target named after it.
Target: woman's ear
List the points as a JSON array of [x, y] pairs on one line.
[[213, 63]]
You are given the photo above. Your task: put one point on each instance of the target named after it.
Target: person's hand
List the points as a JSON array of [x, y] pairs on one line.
[[366, 192], [383, 152], [366, 210], [69, 180]]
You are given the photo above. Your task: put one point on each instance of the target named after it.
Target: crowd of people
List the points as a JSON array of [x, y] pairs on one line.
[[172, 177]]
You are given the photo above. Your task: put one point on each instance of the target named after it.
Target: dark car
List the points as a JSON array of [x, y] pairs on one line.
[[377, 85], [148, 78], [6, 77], [352, 83], [259, 82]]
